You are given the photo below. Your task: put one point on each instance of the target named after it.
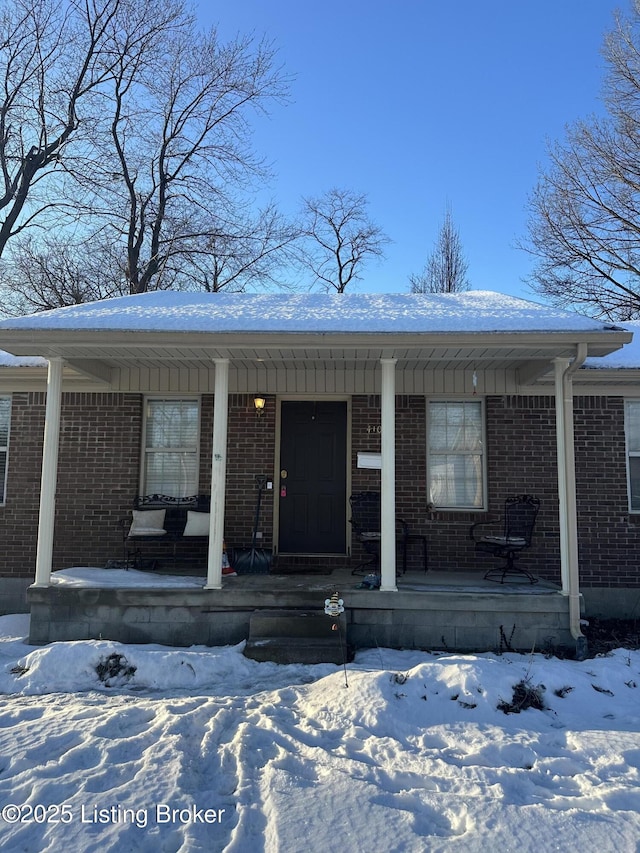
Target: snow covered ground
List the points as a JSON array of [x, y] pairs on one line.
[[147, 748]]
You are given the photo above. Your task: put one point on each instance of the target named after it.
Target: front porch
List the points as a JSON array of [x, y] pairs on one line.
[[421, 392], [438, 611]]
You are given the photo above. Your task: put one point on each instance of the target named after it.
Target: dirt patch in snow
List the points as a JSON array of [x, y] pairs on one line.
[[603, 635]]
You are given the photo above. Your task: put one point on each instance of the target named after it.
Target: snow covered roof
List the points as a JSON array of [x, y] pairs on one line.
[[627, 358], [101, 341], [475, 311], [8, 360]]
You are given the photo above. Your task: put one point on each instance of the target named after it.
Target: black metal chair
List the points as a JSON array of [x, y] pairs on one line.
[[365, 519], [520, 513]]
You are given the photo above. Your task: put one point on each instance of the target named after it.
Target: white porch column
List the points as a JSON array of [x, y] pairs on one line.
[[388, 482], [49, 476], [560, 367], [570, 567], [218, 473]]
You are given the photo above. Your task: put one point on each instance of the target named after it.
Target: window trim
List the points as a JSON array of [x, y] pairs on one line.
[[483, 424], [197, 398], [629, 453], [5, 449]]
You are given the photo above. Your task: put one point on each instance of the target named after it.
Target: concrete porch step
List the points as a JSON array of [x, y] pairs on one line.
[[295, 636]]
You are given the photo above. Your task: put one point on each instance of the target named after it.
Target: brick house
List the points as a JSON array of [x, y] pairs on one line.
[[344, 379]]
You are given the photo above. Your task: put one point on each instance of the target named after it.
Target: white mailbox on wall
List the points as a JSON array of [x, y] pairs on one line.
[[370, 460]]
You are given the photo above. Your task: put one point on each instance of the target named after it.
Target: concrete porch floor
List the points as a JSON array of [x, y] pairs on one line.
[[437, 610], [417, 581]]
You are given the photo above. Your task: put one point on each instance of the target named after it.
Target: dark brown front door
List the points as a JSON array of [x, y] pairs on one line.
[[313, 473]]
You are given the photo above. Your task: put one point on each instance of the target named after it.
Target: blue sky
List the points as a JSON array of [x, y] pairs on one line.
[[424, 103]]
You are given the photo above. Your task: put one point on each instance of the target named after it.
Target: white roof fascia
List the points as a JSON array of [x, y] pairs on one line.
[[62, 343]]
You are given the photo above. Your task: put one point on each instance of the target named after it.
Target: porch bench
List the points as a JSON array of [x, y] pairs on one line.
[[165, 521]]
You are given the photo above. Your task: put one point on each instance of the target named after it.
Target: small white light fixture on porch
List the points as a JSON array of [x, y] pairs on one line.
[[259, 403]]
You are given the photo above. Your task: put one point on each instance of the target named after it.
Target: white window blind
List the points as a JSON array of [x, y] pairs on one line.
[[455, 454], [171, 453]]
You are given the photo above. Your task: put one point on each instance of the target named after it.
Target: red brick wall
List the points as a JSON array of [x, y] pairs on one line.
[[365, 438], [250, 452], [99, 476], [521, 456], [99, 470], [98, 473], [447, 533], [609, 535], [521, 459], [522, 449], [411, 497], [19, 515]]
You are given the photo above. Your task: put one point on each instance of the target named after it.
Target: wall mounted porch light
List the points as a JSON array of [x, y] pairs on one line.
[[259, 402]]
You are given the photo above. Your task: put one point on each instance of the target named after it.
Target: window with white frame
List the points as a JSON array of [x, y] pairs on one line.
[[171, 447], [632, 429], [5, 422], [455, 454]]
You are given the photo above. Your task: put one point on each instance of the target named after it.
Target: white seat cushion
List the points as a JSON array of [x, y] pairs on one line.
[[148, 522], [197, 523]]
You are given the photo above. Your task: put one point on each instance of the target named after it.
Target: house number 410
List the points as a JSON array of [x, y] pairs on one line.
[[374, 428]]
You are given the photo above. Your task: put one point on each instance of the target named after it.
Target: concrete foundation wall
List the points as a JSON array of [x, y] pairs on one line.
[[611, 603], [437, 620], [13, 595], [465, 622]]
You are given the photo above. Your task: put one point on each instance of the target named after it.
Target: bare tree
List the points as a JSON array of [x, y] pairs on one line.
[[338, 238], [253, 251], [446, 267], [125, 126], [54, 59], [584, 227], [178, 172], [51, 273]]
